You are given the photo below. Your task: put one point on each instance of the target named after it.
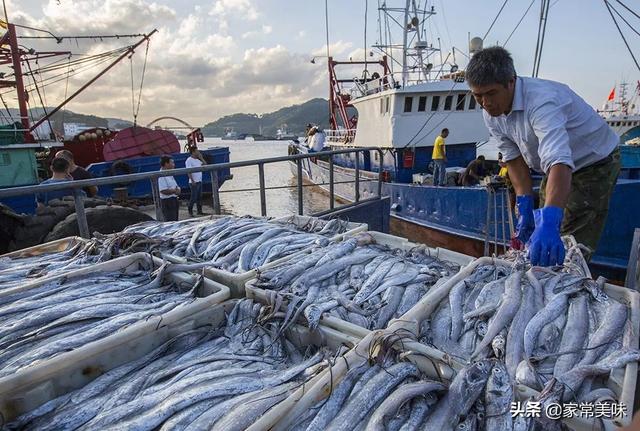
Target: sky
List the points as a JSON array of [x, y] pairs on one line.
[[219, 57]]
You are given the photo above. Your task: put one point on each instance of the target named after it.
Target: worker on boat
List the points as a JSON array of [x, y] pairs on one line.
[[473, 173], [544, 126], [195, 180], [316, 140], [77, 172], [504, 171], [439, 157]]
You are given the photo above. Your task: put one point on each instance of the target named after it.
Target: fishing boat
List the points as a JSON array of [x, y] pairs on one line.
[[401, 112], [100, 150]]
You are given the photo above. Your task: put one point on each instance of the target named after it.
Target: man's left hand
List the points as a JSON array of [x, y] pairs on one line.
[[545, 246]]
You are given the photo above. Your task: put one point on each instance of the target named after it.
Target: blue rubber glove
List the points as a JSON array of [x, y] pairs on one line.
[[546, 247], [526, 224]]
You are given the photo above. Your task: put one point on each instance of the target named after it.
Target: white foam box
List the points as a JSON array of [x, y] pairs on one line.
[[41, 382]]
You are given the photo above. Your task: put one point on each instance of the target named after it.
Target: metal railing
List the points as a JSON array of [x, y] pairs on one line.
[[77, 185]]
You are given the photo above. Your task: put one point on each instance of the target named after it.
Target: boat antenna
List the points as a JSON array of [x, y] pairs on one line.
[[624, 39], [542, 29], [326, 24], [366, 10]]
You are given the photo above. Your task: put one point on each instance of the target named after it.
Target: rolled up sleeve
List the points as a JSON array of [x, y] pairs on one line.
[[549, 124]]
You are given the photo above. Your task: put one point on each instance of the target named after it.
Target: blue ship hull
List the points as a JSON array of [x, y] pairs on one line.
[[142, 188], [26, 204], [455, 217]]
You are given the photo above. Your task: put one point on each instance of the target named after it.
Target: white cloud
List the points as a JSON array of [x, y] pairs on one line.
[[242, 8], [196, 70], [336, 48]]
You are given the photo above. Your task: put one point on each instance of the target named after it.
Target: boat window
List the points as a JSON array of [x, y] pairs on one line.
[[472, 103], [617, 124], [382, 105], [460, 102], [435, 102], [447, 103], [422, 103], [408, 103], [386, 104]]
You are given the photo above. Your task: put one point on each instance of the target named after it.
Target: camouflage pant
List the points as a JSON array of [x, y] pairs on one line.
[[588, 203]]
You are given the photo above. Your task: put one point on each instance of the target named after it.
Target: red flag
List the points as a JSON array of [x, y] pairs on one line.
[[612, 95]]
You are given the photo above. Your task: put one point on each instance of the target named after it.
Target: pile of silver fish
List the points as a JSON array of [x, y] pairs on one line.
[[208, 378], [68, 312], [21, 269], [552, 329], [387, 392], [239, 244], [356, 280]]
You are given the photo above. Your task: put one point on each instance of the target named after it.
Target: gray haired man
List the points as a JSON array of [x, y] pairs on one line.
[[545, 126]]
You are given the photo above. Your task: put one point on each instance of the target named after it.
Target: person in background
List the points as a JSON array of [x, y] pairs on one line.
[[504, 172], [77, 172], [60, 174], [169, 191], [316, 140], [439, 157], [195, 180], [474, 172], [545, 126]]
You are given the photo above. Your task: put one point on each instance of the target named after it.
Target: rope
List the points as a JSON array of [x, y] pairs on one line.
[[133, 103], [519, 22], [144, 69], [495, 19], [66, 87], [629, 9], [606, 3], [625, 21], [44, 108]]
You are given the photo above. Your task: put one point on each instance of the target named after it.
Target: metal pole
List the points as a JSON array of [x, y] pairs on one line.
[[331, 190], [357, 176], [215, 192], [83, 226], [488, 223], [380, 154], [502, 219], [263, 196], [495, 221], [155, 192], [300, 206]]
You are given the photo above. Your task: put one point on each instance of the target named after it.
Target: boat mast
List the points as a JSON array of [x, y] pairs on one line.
[[11, 38], [415, 50]]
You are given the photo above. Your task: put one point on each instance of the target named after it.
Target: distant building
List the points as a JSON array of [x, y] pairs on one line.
[[72, 129]]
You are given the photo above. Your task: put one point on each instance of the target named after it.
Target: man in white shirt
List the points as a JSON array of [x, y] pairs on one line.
[[316, 140], [195, 181], [545, 126], [169, 191]]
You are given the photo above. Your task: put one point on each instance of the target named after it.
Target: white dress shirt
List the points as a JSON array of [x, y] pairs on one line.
[[192, 162], [549, 124], [166, 183]]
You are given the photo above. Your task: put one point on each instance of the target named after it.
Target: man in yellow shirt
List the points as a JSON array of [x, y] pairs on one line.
[[439, 157]]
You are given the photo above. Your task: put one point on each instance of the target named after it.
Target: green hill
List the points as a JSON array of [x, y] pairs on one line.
[[294, 118]]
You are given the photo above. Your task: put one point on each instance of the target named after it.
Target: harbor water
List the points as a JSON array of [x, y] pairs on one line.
[[282, 201]]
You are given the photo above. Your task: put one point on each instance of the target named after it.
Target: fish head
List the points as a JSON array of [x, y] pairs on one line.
[[312, 313], [498, 345], [481, 328], [476, 374], [468, 424], [499, 380]]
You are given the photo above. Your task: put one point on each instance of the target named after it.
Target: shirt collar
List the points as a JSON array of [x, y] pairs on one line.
[[518, 96]]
